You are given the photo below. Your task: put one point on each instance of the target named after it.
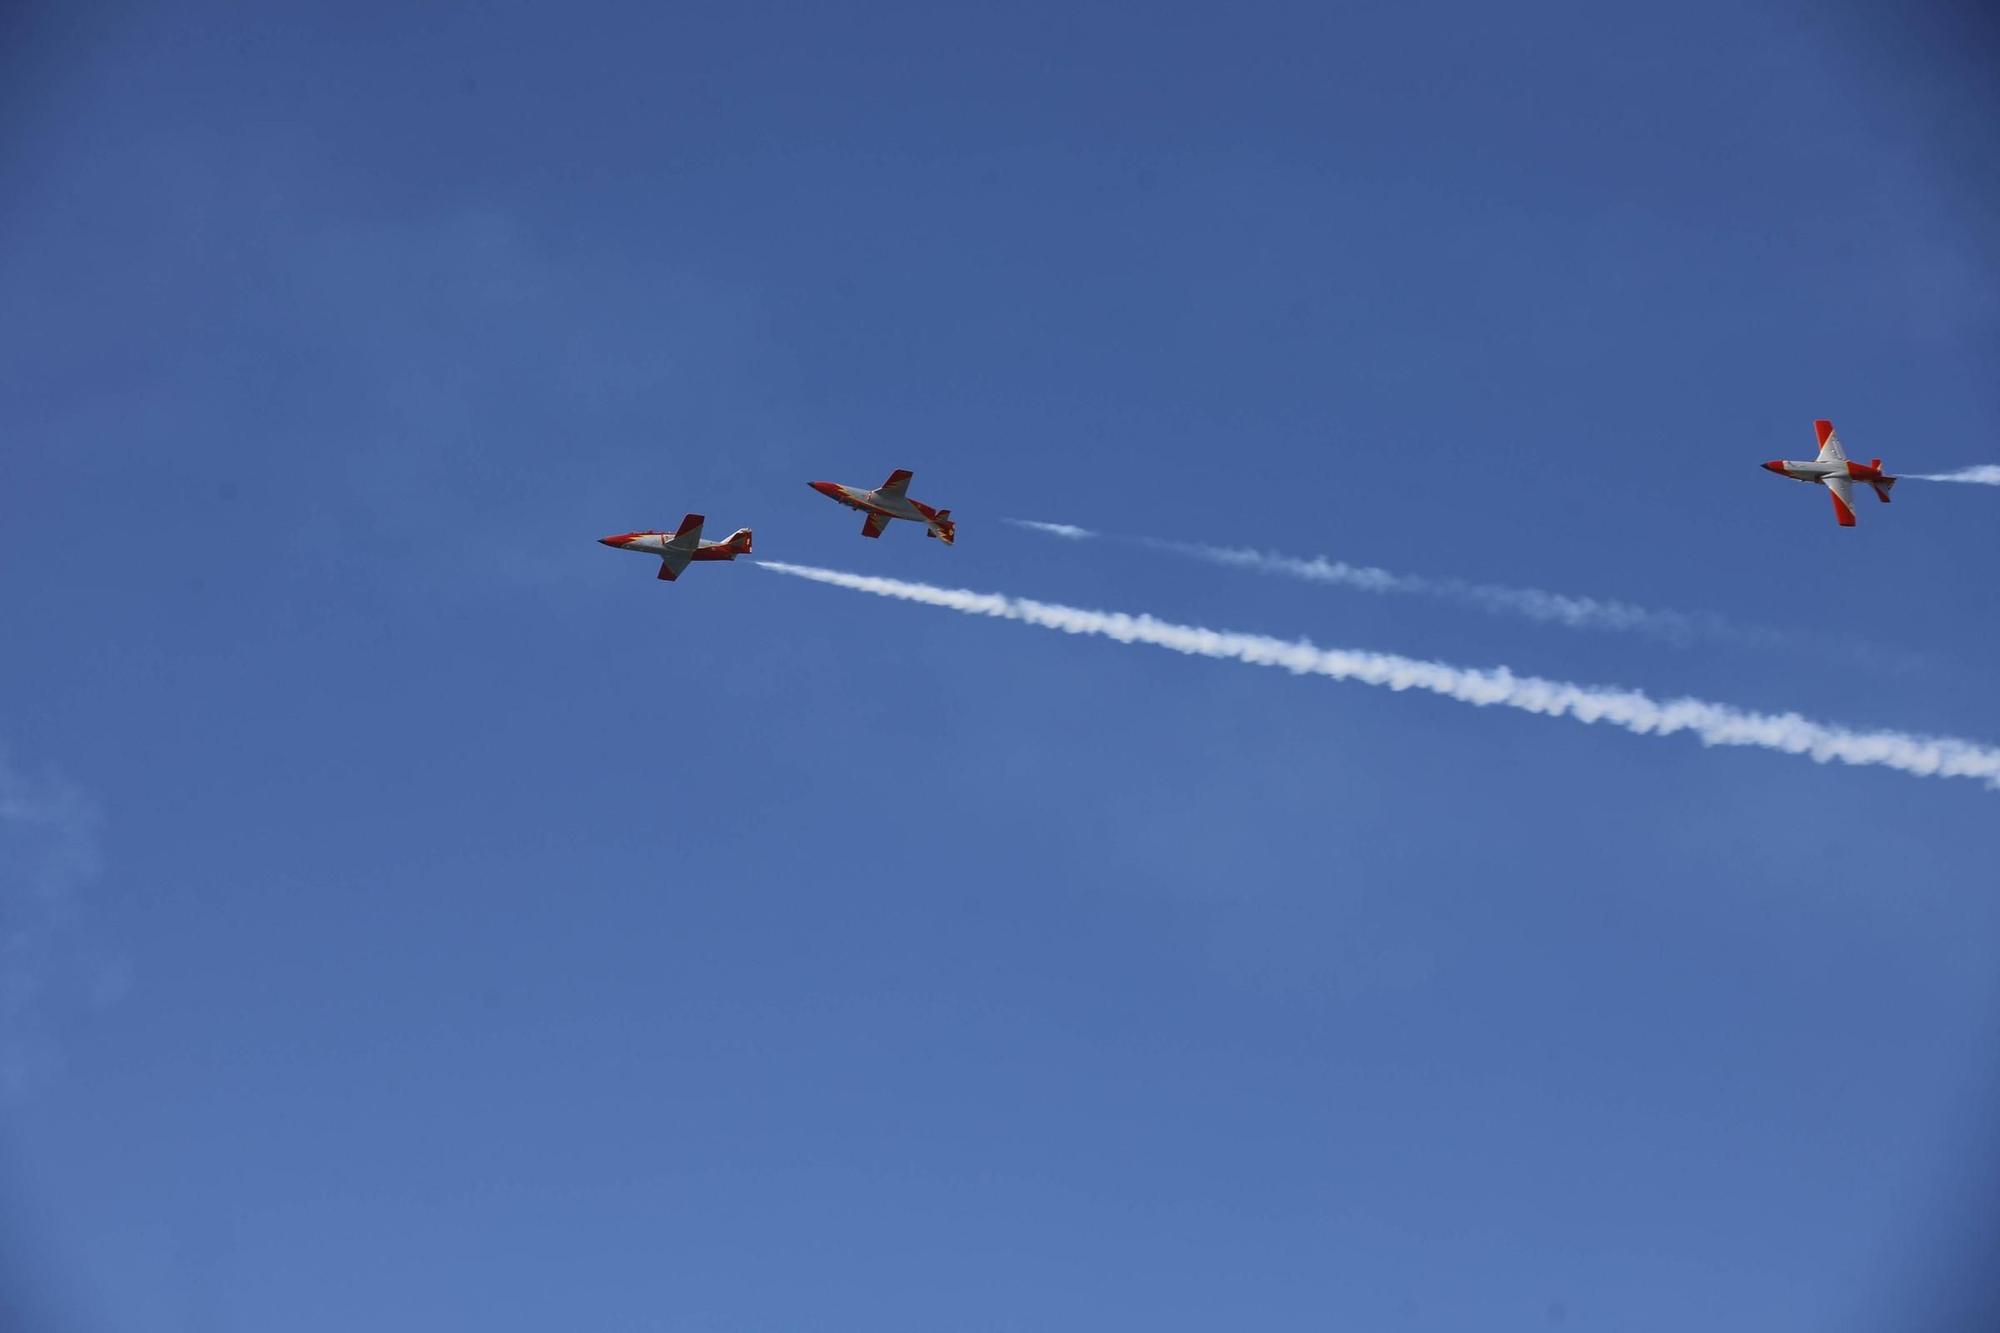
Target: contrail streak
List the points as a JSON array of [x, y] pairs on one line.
[[1985, 474], [1531, 603], [1537, 604], [1712, 723], [1069, 530]]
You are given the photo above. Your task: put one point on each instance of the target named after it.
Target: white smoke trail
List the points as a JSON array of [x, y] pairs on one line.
[[1530, 603], [1712, 723], [1069, 530], [1538, 604], [1985, 474]]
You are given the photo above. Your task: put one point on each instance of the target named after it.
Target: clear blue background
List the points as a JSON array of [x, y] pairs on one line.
[[499, 939]]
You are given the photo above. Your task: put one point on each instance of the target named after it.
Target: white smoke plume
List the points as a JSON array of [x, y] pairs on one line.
[[1711, 723], [1530, 603], [1537, 604], [1069, 530], [1985, 474]]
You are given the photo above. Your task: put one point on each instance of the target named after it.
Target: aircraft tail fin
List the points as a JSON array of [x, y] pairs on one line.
[[942, 528], [738, 542]]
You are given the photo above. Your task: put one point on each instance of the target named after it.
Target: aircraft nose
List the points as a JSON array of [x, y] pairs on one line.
[[823, 487], [1775, 465], [618, 540]]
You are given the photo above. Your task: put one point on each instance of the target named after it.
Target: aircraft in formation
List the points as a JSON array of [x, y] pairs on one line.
[[678, 547], [891, 500], [1833, 471]]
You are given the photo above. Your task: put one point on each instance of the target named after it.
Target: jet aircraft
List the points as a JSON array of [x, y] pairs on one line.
[[887, 501], [676, 548], [1832, 470]]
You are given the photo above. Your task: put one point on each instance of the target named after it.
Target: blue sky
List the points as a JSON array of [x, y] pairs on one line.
[[420, 917]]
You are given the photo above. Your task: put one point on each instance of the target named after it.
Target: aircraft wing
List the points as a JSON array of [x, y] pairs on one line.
[[687, 537], [680, 548], [872, 525], [1843, 500], [898, 483], [1829, 443]]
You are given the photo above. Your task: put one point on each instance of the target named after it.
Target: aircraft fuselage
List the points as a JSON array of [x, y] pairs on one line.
[[655, 543], [876, 502], [1819, 472]]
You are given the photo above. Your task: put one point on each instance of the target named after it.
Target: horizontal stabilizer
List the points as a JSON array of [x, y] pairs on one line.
[[1882, 488]]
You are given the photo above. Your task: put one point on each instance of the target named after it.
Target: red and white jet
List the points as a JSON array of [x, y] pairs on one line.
[[1832, 470], [676, 548], [888, 501]]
